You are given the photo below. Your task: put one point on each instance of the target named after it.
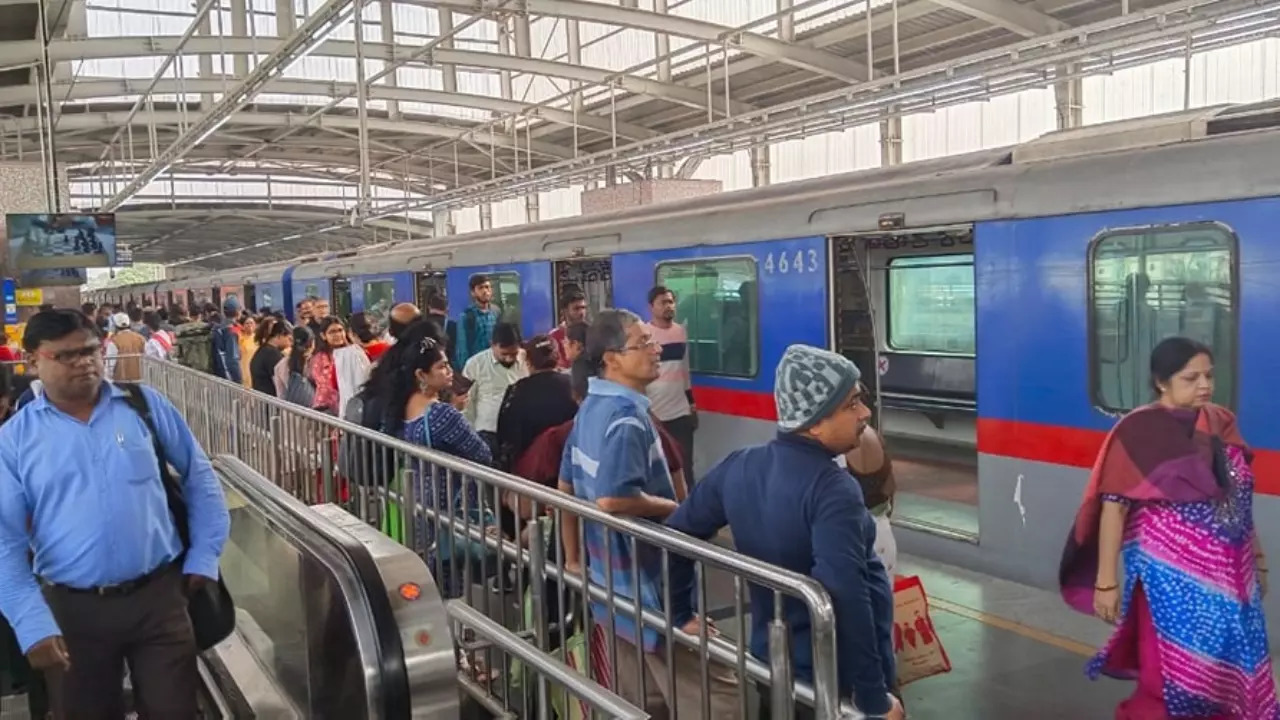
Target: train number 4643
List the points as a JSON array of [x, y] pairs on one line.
[[800, 261]]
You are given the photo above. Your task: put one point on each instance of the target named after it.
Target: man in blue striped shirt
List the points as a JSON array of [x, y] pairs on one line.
[[80, 485], [613, 458]]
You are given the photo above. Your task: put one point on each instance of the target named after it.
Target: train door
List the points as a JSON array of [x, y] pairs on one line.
[[340, 296], [593, 276], [427, 285], [250, 298], [905, 313]]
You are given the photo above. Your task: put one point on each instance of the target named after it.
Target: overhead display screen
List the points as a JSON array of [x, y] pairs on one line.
[[44, 241]]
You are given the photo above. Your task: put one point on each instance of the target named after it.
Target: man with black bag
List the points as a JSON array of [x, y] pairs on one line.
[[126, 556]]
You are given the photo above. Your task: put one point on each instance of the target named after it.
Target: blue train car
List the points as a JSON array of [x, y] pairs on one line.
[[1001, 305]]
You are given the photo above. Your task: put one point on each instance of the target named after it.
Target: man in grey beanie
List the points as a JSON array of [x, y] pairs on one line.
[[788, 504]]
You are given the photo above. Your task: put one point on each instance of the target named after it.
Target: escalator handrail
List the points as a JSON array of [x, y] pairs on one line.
[[280, 506]]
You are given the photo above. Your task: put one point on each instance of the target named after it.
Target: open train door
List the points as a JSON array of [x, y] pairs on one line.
[[429, 284], [853, 313], [340, 296], [593, 276]]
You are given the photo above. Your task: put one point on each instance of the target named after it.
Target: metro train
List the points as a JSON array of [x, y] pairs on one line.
[[1002, 303]]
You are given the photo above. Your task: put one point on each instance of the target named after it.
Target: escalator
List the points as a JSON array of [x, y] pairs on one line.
[[333, 620]]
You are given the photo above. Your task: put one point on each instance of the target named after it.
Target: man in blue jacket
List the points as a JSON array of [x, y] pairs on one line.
[[789, 505]]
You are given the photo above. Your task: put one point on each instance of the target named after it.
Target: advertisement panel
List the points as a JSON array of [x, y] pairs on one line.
[[46, 241]]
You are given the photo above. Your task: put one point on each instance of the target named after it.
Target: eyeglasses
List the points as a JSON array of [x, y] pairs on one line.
[[644, 344], [70, 357]]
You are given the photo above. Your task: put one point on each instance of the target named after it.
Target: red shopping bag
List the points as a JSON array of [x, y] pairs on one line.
[[918, 648]]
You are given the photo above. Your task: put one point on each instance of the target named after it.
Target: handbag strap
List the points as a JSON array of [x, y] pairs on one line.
[[136, 400]]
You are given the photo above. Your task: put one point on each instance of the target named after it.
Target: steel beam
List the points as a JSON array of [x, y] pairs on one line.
[[268, 119], [808, 58], [1008, 14], [19, 52], [303, 40]]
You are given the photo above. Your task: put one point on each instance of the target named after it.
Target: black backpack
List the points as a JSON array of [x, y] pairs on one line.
[[360, 460]]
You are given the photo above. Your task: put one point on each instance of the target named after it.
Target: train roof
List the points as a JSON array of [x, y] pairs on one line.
[[984, 183]]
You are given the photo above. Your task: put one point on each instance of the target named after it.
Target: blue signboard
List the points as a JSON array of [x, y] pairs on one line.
[[10, 302]]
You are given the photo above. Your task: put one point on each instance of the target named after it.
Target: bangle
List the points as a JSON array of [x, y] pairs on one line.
[[1107, 588]]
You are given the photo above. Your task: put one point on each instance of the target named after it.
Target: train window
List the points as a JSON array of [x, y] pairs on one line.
[[716, 300], [1151, 283], [379, 296], [506, 295], [931, 304]]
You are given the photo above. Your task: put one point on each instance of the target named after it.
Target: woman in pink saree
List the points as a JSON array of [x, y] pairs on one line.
[[1164, 546]]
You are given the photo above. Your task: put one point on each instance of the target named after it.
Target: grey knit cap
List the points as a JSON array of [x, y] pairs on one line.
[[809, 384]]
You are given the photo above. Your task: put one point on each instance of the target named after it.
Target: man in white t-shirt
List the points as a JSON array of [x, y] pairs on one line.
[[671, 395], [492, 372]]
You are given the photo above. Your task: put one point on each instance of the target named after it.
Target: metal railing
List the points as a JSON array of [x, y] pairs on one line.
[[438, 504], [468, 619]]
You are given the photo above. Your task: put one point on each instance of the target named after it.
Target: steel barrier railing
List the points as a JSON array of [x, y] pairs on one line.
[[389, 483]]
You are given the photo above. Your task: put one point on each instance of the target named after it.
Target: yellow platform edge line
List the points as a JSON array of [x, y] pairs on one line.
[[1025, 631]]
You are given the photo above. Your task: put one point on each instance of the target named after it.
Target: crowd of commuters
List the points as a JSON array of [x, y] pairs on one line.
[[601, 408]]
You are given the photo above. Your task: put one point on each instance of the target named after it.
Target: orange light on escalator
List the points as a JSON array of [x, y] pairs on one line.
[[410, 591]]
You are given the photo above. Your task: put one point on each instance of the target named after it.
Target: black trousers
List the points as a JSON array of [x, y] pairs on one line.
[[149, 629], [681, 430]]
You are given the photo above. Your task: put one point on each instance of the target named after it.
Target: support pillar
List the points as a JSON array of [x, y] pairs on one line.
[[786, 22], [443, 222], [760, 166], [205, 61], [286, 18], [891, 141], [388, 25], [486, 216], [1069, 98], [240, 28], [449, 71]]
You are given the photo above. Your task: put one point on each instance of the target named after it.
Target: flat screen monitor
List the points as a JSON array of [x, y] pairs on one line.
[[45, 241]]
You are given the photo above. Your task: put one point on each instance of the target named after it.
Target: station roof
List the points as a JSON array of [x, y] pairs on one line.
[[549, 118]]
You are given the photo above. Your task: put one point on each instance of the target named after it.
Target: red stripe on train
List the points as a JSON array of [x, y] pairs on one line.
[[1076, 447], [1056, 444], [740, 403]]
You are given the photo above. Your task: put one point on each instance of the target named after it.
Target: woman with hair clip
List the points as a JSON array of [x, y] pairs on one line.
[[418, 371]]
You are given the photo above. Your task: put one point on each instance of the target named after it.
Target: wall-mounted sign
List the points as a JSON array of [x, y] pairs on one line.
[[124, 255], [10, 301], [30, 297]]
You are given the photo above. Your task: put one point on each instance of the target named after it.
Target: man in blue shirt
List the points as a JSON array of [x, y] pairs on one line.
[[613, 458], [789, 505], [80, 485], [475, 326]]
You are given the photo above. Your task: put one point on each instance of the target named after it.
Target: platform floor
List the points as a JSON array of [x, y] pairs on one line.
[[1017, 652]]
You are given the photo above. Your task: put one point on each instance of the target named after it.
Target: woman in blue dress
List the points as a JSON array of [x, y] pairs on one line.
[[414, 412]]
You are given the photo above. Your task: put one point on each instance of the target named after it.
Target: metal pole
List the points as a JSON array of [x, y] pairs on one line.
[[362, 109], [50, 120], [44, 159]]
